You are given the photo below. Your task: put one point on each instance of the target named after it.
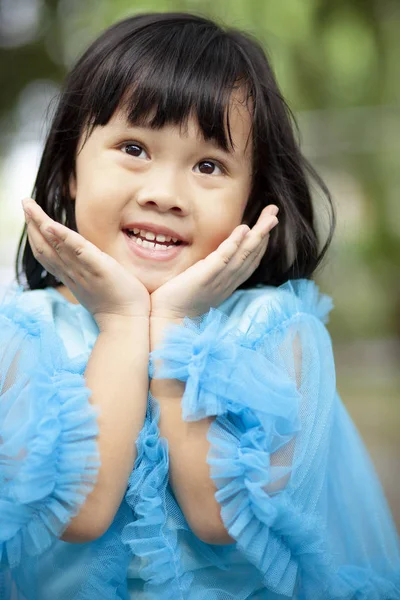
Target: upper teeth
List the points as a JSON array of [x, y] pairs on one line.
[[149, 235]]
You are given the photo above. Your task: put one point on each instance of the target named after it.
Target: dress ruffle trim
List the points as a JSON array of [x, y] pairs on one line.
[[41, 492], [304, 297], [106, 579], [274, 536], [191, 343], [148, 536], [216, 369], [292, 300], [198, 353]]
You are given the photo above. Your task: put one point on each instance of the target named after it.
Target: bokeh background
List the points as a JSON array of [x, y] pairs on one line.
[[337, 65]]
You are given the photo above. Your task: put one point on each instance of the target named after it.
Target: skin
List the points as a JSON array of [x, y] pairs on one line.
[[169, 176]]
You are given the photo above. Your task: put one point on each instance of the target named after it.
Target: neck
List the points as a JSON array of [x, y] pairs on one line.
[[66, 292]]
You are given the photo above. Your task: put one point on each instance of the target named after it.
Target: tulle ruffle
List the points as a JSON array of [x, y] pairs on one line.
[[48, 429], [292, 300], [271, 532], [148, 536], [106, 578], [217, 370]]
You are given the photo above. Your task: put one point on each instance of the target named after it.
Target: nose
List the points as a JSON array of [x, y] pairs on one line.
[[164, 192]]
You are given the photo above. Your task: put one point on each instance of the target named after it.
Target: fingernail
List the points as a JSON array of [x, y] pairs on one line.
[[273, 210]]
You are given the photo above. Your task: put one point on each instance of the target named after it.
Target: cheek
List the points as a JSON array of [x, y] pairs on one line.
[[94, 220], [99, 203], [225, 216], [218, 229], [100, 181]]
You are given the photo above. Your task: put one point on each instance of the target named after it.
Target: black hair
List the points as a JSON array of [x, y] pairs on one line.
[[171, 66]]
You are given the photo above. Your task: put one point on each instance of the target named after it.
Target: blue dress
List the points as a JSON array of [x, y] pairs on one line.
[[296, 487]]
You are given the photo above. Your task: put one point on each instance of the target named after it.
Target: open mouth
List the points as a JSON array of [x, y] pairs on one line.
[[152, 249]]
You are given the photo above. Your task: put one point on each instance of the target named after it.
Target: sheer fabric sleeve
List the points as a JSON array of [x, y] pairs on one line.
[[48, 430], [273, 448]]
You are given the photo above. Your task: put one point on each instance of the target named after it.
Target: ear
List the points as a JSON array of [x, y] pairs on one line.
[[72, 186]]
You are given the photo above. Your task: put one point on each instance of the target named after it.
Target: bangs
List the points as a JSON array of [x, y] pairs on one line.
[[166, 73]]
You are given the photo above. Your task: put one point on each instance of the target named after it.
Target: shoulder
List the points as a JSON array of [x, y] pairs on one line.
[[272, 305], [46, 314], [27, 335], [27, 310]]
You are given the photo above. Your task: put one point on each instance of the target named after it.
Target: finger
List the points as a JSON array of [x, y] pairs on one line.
[[232, 251], [211, 267], [78, 254], [33, 212], [41, 244], [261, 234], [256, 239], [230, 246], [42, 250], [264, 225], [208, 269], [262, 229], [59, 253], [37, 242], [34, 215], [258, 255], [243, 269], [256, 245], [228, 249], [244, 245], [271, 209]]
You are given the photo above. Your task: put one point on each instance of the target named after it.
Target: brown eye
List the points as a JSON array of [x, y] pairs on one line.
[[133, 150], [207, 167]]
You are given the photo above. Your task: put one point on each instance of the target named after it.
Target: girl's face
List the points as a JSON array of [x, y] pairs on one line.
[[168, 178]]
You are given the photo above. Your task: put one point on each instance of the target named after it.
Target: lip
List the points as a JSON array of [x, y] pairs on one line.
[[156, 229], [147, 253]]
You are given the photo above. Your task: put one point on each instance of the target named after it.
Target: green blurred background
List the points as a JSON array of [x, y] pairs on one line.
[[337, 65]]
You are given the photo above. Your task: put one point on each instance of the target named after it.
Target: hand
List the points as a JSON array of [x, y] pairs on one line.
[[99, 282], [211, 280]]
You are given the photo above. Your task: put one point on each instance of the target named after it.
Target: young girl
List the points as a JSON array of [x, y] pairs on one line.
[[169, 421]]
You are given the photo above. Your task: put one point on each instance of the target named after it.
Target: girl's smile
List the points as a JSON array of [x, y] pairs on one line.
[[151, 250]]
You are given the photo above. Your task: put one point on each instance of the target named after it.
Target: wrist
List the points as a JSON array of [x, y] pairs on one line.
[[121, 324], [164, 320], [158, 324]]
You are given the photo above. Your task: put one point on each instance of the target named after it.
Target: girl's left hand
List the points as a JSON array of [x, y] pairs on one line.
[[213, 279]]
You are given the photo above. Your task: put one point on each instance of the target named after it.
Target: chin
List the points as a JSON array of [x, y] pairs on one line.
[[152, 285], [151, 288], [152, 280]]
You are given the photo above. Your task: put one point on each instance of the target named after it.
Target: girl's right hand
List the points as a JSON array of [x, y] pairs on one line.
[[98, 281]]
